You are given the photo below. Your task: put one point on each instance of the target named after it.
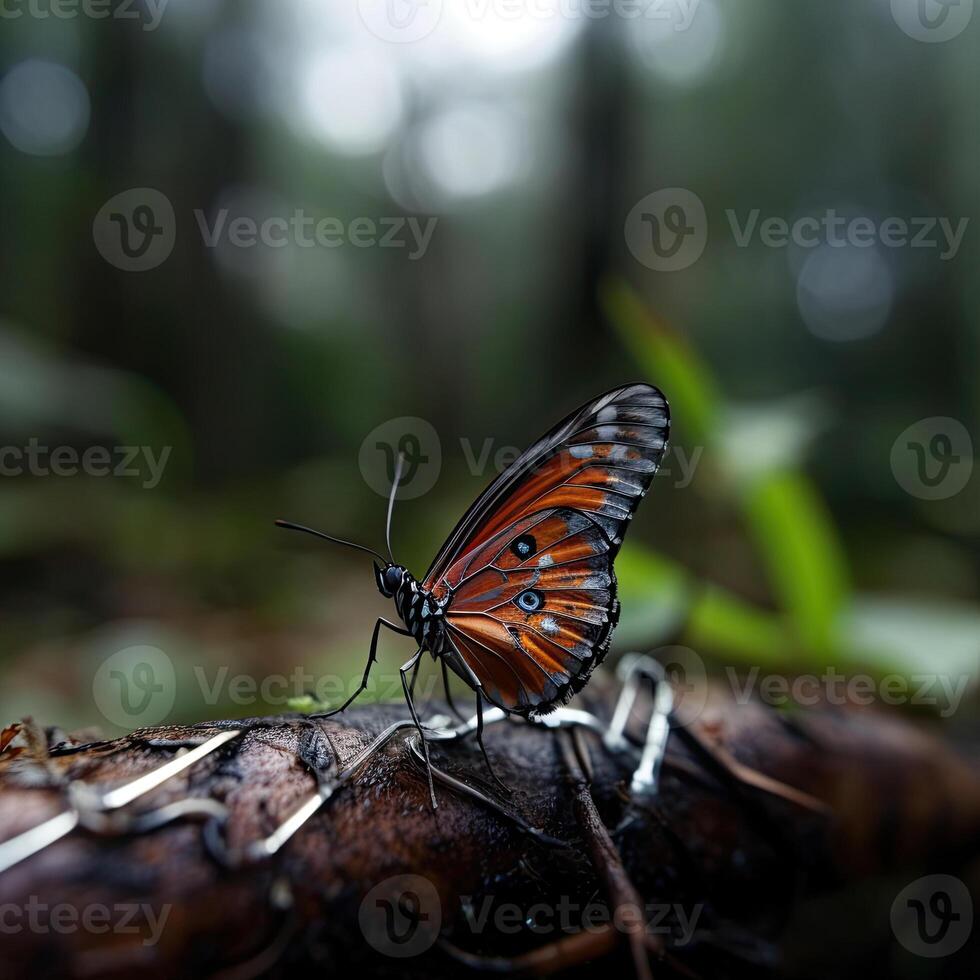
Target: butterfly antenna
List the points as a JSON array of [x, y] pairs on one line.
[[328, 537], [391, 503]]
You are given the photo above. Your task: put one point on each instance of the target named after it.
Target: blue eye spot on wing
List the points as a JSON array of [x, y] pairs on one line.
[[530, 601], [524, 545]]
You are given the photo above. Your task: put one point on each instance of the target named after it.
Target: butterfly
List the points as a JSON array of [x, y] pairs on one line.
[[520, 602]]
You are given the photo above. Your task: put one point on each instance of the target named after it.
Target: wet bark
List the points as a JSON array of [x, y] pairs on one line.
[[772, 847]]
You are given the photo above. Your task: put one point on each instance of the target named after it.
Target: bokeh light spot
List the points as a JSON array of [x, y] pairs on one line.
[[469, 151], [44, 108], [351, 100], [844, 292]]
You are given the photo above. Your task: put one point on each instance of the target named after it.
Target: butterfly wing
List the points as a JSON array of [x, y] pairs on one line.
[[528, 571]]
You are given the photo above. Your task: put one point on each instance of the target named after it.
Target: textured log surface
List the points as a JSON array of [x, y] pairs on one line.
[[748, 878]]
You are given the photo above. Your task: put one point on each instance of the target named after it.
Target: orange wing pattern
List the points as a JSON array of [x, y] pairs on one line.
[[532, 619], [528, 572]]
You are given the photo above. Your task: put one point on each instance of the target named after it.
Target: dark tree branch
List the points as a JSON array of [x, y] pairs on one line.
[[756, 822]]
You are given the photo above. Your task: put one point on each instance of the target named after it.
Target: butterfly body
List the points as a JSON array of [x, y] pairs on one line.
[[420, 611]]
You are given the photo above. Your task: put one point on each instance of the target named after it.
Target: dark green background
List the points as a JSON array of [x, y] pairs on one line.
[[794, 546]]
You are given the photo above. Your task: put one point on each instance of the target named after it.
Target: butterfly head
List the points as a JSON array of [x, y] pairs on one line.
[[389, 578]]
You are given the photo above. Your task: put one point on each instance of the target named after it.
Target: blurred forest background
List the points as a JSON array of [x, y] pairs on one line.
[[793, 374]]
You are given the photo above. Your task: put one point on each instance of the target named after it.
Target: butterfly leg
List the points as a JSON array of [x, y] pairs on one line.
[[415, 677], [474, 682], [479, 741], [372, 657], [445, 684], [403, 670]]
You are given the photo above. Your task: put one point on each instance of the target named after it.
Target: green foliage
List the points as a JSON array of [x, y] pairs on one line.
[[663, 354], [804, 560], [756, 461]]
